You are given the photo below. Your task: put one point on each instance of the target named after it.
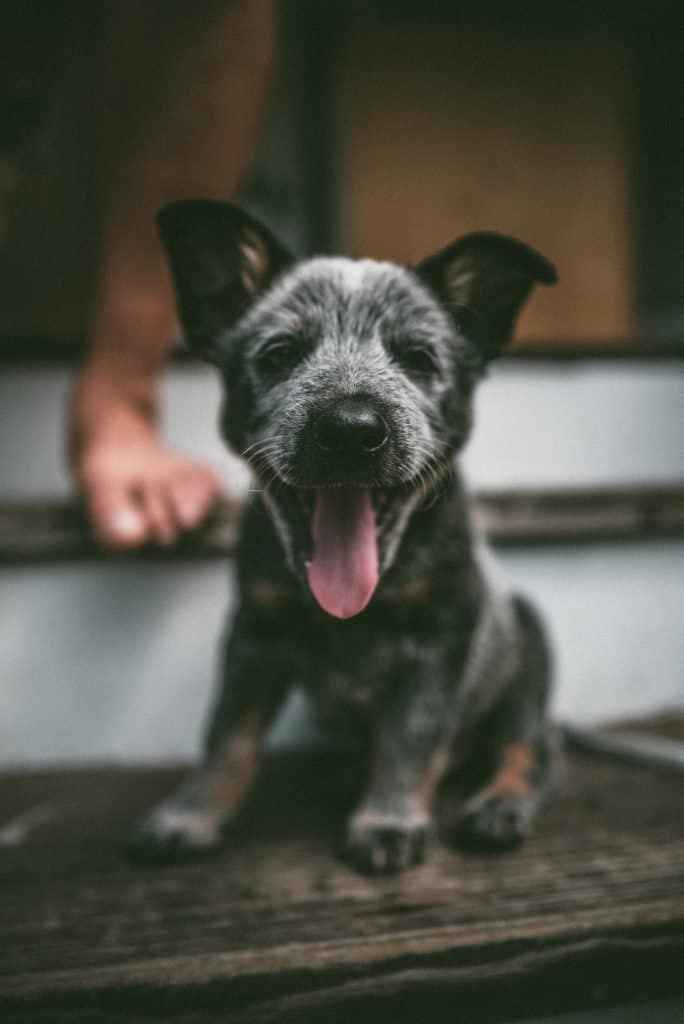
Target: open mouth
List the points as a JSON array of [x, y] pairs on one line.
[[340, 533]]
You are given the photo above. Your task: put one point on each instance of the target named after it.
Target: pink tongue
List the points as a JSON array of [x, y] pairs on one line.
[[343, 572]]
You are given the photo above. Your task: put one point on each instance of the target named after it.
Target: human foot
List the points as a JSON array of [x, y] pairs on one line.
[[137, 490]]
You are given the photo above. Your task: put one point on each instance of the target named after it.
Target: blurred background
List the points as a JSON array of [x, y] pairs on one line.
[[392, 128]]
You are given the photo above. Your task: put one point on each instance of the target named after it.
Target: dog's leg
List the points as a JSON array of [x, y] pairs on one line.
[[500, 815], [256, 677], [390, 828]]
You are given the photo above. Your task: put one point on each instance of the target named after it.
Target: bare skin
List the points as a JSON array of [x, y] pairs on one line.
[[177, 100]]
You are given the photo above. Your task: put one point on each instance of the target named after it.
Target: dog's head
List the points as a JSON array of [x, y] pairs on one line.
[[348, 382]]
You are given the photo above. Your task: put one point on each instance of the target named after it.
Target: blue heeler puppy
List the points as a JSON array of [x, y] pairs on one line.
[[349, 389]]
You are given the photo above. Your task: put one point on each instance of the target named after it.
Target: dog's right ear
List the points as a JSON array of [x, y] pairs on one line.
[[221, 259]]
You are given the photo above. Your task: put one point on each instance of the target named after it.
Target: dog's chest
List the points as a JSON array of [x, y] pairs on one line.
[[342, 701], [347, 674], [354, 668]]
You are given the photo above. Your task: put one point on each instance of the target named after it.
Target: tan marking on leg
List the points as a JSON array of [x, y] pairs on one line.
[[432, 778], [413, 592], [266, 594], [513, 774], [211, 796], [233, 768], [417, 802]]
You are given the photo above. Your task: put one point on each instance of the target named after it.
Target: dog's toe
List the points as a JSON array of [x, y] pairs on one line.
[[500, 822], [173, 835], [386, 850]]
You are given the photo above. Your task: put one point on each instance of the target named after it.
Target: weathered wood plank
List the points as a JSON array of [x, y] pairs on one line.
[[574, 976], [275, 924], [59, 530]]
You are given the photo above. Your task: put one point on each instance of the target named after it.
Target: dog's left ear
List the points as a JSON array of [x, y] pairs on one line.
[[483, 279], [221, 259]]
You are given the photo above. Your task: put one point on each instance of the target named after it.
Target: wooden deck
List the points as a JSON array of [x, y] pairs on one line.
[[589, 913]]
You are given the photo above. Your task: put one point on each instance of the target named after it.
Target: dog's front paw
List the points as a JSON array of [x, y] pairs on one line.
[[500, 821], [386, 843], [170, 834]]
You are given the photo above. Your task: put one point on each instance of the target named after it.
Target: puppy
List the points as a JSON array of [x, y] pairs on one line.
[[349, 388]]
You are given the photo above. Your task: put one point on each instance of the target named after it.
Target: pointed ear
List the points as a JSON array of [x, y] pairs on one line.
[[221, 259], [483, 279]]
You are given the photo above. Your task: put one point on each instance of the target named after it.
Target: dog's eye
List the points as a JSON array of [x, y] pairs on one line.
[[417, 360], [278, 356]]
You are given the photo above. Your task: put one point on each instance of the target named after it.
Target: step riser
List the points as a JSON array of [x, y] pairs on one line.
[[115, 660], [538, 425]]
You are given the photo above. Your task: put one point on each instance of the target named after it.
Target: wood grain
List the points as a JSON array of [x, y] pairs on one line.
[[276, 927]]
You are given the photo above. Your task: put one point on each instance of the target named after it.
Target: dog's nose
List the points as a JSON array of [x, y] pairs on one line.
[[351, 426]]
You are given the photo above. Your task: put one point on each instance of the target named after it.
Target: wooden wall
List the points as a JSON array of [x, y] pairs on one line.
[[442, 125], [447, 126]]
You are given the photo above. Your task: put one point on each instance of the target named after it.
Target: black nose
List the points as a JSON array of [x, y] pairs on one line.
[[351, 426]]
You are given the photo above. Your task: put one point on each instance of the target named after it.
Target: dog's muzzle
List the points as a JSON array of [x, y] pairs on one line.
[[349, 491]]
